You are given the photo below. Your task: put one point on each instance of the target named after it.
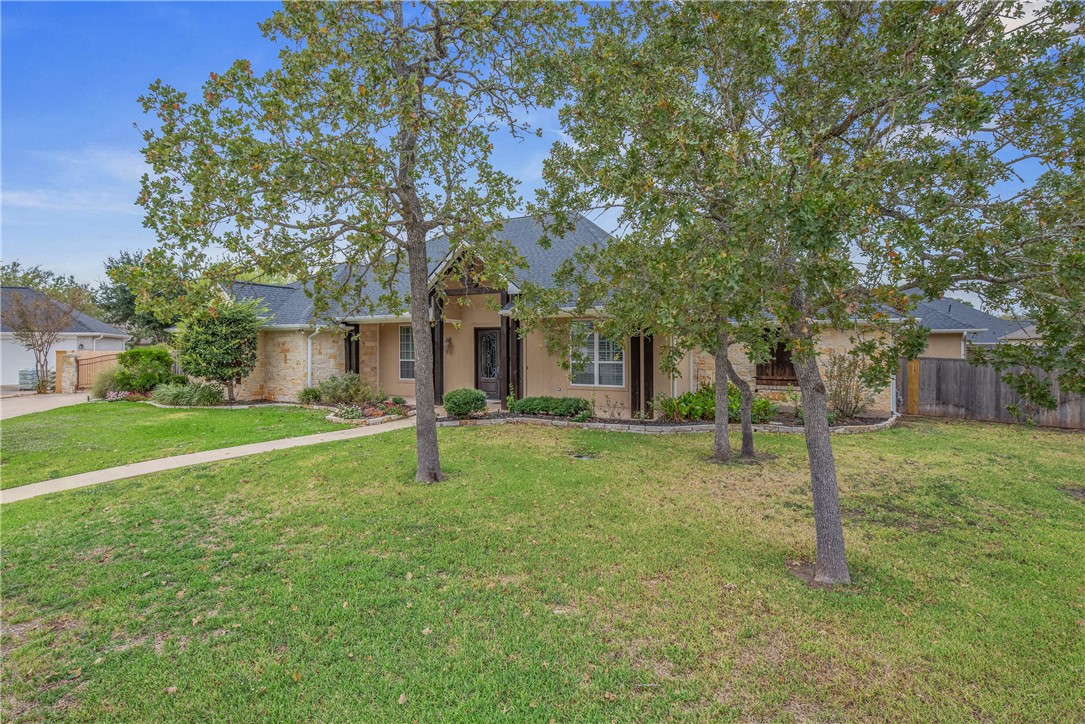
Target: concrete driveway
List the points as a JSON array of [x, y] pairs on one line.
[[15, 404]]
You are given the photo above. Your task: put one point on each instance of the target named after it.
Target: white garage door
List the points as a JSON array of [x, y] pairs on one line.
[[14, 357]]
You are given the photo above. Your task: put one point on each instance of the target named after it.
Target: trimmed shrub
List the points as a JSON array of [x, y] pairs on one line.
[[348, 389], [143, 368], [309, 396], [464, 402], [193, 394], [555, 406]]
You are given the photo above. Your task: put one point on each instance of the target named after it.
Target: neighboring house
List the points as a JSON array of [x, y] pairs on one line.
[[84, 333], [476, 341], [954, 325]]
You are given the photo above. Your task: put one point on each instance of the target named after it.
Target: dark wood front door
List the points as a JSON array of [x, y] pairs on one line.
[[487, 364]]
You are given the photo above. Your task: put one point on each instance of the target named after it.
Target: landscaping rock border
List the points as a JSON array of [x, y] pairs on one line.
[[363, 421], [632, 426]]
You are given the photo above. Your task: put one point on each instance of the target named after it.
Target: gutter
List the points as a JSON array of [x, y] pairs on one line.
[[970, 330]]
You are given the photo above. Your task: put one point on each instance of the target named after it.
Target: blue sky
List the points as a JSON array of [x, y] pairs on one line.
[[71, 75]]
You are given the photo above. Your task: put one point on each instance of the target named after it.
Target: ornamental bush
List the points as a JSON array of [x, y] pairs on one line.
[[555, 406], [143, 368], [347, 389], [218, 342], [309, 396], [464, 401]]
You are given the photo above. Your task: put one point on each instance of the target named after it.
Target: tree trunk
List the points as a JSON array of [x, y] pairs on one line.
[[722, 449], [41, 370], [747, 410], [230, 390], [831, 564], [429, 461]]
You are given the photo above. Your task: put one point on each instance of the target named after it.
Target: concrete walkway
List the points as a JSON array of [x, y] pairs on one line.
[[24, 404], [108, 475]]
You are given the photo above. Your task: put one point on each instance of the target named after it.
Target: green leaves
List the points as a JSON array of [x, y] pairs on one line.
[[219, 341]]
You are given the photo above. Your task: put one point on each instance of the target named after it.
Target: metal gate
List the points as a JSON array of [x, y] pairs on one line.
[[92, 364]]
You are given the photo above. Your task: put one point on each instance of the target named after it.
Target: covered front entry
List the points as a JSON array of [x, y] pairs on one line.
[[486, 362]]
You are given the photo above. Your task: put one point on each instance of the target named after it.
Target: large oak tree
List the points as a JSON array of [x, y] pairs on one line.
[[374, 135], [845, 151]]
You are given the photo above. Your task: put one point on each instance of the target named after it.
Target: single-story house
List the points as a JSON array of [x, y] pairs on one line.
[[477, 342], [84, 333], [955, 325]]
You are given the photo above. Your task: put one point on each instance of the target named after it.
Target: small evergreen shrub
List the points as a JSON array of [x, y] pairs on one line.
[[193, 394], [309, 396], [399, 400], [464, 401], [554, 406], [143, 368]]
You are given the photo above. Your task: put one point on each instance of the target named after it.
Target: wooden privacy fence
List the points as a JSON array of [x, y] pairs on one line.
[[956, 388]]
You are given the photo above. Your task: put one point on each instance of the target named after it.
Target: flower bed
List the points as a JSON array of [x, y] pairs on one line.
[[127, 396], [371, 413]]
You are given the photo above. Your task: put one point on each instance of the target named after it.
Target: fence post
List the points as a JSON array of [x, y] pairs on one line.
[[911, 400]]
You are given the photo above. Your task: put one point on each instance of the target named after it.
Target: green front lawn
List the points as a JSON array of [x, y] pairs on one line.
[[93, 436], [323, 584]]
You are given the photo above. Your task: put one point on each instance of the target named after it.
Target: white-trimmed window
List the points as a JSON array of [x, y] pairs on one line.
[[604, 360], [406, 353]]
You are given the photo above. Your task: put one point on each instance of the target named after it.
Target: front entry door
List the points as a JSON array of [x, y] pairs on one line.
[[486, 362]]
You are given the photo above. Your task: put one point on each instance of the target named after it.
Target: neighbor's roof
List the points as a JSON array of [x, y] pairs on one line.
[[290, 305], [81, 323], [1024, 334], [989, 329]]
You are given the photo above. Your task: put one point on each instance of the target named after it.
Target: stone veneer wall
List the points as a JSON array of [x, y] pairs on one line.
[[281, 364], [705, 371], [367, 353]]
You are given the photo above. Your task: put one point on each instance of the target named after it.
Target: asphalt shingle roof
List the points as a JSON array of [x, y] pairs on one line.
[[949, 313], [290, 304], [81, 323]]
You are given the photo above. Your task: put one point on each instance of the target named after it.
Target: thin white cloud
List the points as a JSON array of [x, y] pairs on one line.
[[70, 201], [96, 163]]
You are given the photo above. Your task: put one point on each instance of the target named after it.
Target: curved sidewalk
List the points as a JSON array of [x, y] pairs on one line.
[[146, 467]]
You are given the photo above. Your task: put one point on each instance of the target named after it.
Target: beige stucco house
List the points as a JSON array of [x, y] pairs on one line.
[[955, 325], [477, 342]]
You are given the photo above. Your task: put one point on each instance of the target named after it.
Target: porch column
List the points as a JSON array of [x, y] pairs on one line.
[[515, 350], [634, 374], [503, 357], [649, 372], [438, 349]]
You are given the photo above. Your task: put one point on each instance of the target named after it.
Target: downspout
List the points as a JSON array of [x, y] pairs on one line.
[[674, 378], [309, 358], [94, 343]]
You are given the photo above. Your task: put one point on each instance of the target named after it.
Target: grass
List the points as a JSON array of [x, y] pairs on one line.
[[643, 584], [76, 439]]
